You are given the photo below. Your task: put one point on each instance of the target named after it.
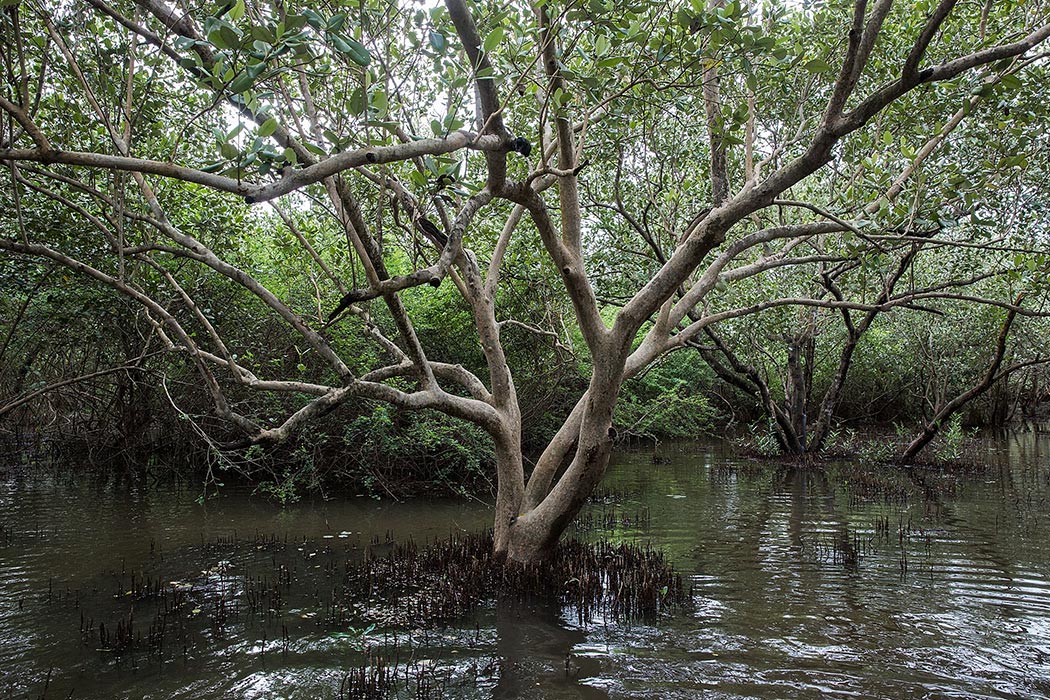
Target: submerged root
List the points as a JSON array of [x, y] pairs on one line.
[[443, 582]]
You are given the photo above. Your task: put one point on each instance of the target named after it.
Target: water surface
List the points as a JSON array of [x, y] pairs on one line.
[[847, 581]]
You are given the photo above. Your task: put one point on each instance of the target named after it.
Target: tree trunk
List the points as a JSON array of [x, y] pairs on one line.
[[795, 392], [533, 536], [510, 488], [991, 375], [532, 533], [747, 379]]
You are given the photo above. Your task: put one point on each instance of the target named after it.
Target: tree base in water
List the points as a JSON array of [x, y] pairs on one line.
[[443, 582]]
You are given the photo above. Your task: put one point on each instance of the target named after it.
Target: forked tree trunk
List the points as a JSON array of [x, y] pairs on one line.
[[531, 519], [532, 536]]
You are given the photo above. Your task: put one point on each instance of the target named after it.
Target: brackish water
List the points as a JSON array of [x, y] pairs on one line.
[[840, 582]]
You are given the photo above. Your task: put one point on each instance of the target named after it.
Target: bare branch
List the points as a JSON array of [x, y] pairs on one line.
[[27, 123], [134, 365], [933, 25], [455, 141], [946, 71]]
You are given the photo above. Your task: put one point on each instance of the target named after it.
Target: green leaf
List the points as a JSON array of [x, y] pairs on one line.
[[262, 33], [336, 21], [241, 83], [268, 127], [229, 36], [217, 40], [438, 41], [228, 150], [379, 101], [817, 66], [356, 102], [294, 23], [354, 50], [289, 155], [255, 70], [237, 11], [492, 40], [315, 20], [560, 98], [1011, 82]]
